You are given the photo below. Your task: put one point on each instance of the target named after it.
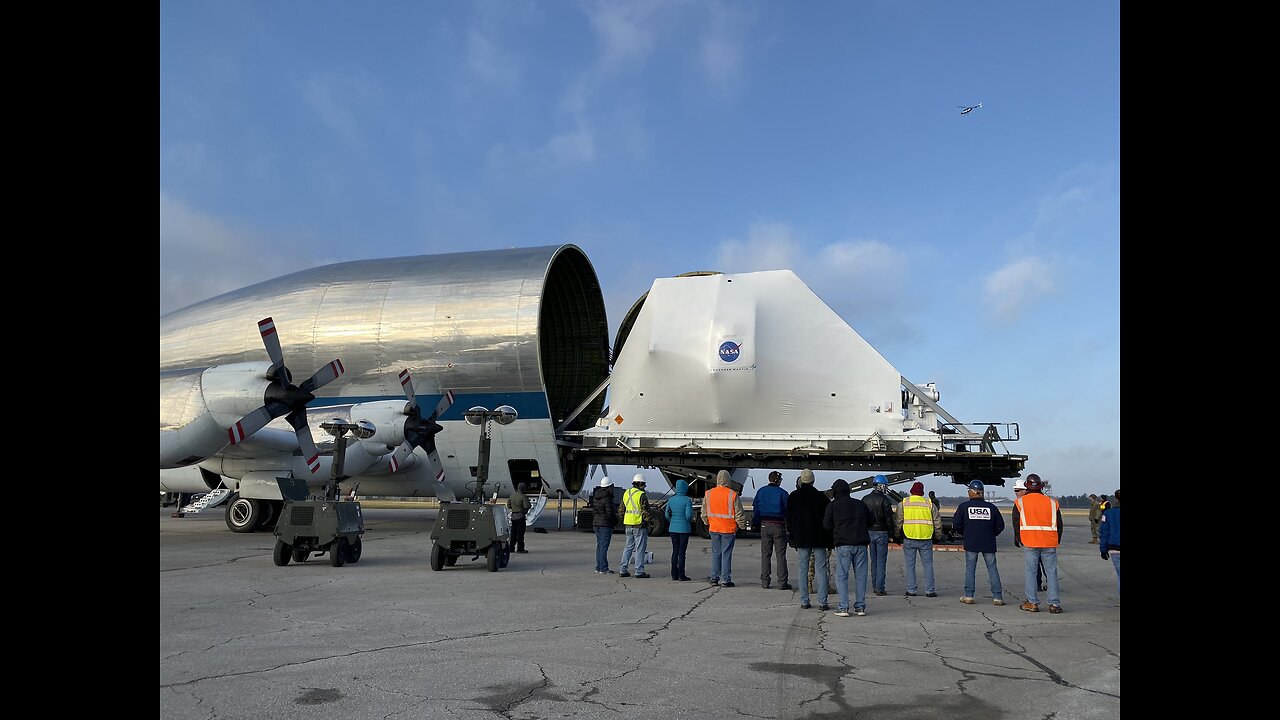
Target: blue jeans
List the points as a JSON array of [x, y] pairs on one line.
[[909, 550], [603, 537], [637, 543], [679, 544], [1115, 560], [879, 551], [722, 556], [971, 574], [820, 582], [1032, 559], [855, 555]]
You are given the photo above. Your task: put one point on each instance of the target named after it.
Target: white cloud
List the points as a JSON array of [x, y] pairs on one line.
[[334, 99], [769, 246], [573, 147], [201, 256], [861, 280], [490, 62], [862, 258], [625, 30], [1012, 287], [722, 47], [598, 113]]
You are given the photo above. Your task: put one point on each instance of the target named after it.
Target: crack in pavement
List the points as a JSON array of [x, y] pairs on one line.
[[650, 636], [228, 561], [224, 642], [537, 689], [1048, 671], [396, 646]]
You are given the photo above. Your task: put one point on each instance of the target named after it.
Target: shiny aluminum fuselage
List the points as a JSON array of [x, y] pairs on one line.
[[522, 327]]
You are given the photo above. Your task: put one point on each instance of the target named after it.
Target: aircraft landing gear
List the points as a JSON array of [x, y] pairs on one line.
[[243, 514]]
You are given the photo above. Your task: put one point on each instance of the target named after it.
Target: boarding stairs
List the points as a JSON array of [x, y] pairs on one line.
[[208, 500]]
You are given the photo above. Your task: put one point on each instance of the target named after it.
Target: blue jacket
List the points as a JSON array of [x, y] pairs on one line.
[[770, 504], [980, 522], [1109, 529], [679, 510]]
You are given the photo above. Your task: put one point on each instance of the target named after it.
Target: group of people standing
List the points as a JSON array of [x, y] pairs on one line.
[[854, 531], [722, 513]]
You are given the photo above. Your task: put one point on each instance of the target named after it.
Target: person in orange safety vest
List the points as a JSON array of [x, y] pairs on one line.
[[1037, 529], [722, 514]]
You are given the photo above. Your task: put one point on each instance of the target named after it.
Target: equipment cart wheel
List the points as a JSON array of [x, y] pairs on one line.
[[437, 557], [300, 555], [338, 553], [494, 552], [353, 553], [281, 554]]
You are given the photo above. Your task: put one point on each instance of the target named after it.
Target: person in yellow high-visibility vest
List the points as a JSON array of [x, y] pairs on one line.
[[920, 523], [635, 508], [723, 515]]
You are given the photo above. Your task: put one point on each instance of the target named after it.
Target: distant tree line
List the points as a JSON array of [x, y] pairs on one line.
[[1066, 501], [1074, 501]]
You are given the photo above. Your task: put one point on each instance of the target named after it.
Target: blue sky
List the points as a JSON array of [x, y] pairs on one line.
[[981, 252]]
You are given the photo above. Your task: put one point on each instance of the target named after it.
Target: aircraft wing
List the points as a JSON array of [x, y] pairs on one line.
[[267, 441]]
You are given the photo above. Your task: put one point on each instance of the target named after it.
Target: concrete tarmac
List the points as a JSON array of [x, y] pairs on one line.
[[547, 637]]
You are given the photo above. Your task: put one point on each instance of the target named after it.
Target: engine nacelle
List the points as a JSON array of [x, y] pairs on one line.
[[388, 418], [233, 391]]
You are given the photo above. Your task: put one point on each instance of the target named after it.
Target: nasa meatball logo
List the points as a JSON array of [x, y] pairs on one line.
[[730, 351]]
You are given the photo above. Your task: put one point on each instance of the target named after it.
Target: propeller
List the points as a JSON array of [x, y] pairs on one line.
[[417, 431], [283, 398]]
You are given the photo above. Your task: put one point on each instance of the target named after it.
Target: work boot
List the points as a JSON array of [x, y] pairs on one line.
[[784, 586], [1030, 606], [1055, 609]]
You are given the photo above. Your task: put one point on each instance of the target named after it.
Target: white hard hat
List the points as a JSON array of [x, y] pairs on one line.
[[1020, 484], [638, 478], [606, 482]]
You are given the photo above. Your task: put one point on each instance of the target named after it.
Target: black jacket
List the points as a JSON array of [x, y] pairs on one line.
[[805, 509], [606, 512], [847, 517], [881, 507]]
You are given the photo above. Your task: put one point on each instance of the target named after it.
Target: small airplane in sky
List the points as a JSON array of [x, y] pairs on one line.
[[966, 109]]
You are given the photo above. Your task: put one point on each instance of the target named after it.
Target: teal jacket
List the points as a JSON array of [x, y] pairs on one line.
[[679, 510]]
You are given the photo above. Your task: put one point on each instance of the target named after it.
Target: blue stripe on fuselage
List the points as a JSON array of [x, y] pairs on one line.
[[528, 405]]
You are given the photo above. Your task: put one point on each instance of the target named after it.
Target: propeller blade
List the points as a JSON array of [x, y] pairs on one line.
[[406, 383], [434, 465], [298, 419], [323, 376], [249, 424], [267, 328], [446, 401], [400, 455]]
